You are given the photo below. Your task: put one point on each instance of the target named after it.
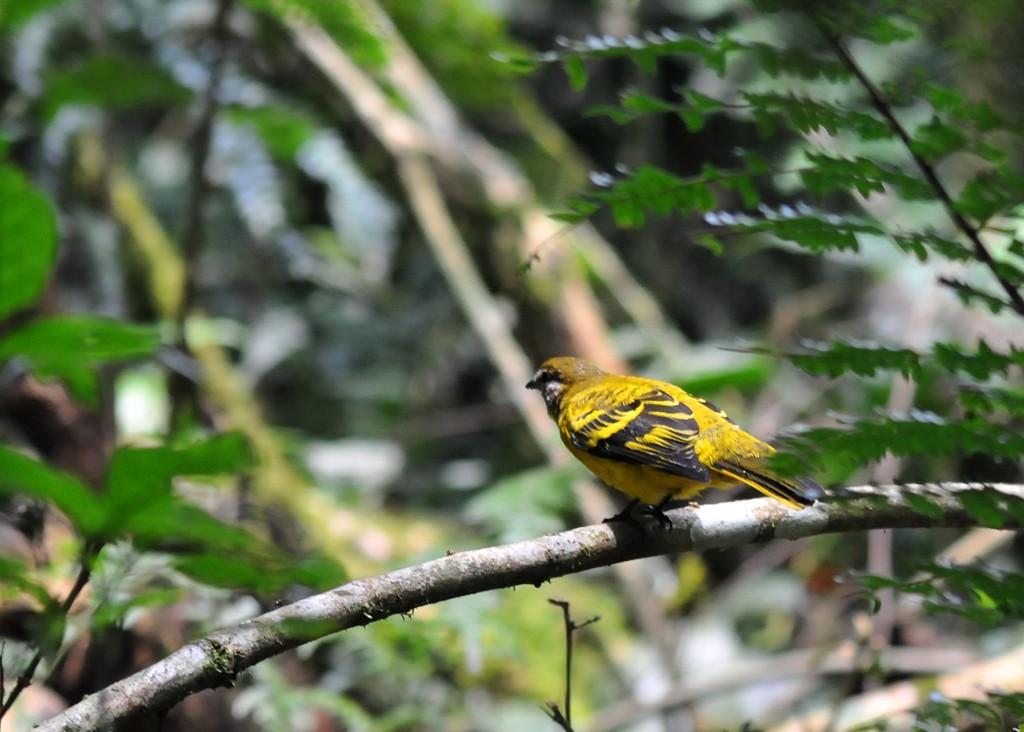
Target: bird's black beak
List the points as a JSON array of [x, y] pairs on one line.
[[533, 384]]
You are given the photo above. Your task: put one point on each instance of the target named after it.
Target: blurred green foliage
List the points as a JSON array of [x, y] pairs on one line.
[[755, 190]]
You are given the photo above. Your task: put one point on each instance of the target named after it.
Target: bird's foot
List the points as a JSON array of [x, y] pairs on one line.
[[625, 514], [631, 516], [658, 512]]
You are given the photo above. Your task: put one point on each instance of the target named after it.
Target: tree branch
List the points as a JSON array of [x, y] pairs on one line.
[[217, 659], [928, 170]]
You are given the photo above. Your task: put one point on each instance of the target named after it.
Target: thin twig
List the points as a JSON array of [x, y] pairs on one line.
[[182, 389], [557, 717], [198, 184], [89, 552], [927, 169], [570, 628]]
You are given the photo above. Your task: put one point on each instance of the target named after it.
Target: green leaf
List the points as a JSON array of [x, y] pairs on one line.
[[348, 23], [989, 194], [829, 173], [113, 613], [14, 13], [101, 81], [809, 115], [168, 521], [576, 72], [28, 241], [629, 214], [252, 564], [70, 347], [710, 243], [917, 433], [992, 399], [883, 29], [979, 594], [139, 477], [642, 104], [923, 505], [936, 139], [865, 359], [283, 130], [921, 243], [969, 294], [230, 571], [987, 509], [980, 363], [777, 62], [22, 474]]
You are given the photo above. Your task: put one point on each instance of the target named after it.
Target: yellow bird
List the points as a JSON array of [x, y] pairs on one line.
[[653, 441]]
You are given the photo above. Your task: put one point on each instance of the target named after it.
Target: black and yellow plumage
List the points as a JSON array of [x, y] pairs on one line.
[[654, 441]]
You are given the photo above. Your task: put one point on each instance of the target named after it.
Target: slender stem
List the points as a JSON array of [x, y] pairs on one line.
[[89, 552], [927, 169], [570, 627], [192, 234], [182, 389]]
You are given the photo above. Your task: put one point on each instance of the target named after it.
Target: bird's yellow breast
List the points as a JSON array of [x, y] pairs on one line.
[[648, 484]]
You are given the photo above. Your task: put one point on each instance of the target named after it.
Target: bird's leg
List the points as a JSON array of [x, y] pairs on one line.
[[658, 511], [625, 514]]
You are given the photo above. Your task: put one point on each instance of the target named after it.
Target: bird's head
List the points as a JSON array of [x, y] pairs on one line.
[[558, 374]]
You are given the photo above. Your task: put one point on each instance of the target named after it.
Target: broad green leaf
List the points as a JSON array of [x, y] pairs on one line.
[[101, 81], [140, 476], [231, 571], [226, 556], [28, 241], [169, 522], [70, 347], [21, 474]]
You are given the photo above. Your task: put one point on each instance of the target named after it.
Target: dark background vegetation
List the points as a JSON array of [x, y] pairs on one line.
[[244, 358]]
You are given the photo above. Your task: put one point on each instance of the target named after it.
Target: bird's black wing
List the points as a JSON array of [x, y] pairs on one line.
[[655, 429]]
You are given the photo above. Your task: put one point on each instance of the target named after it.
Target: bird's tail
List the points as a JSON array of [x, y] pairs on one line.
[[794, 492]]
